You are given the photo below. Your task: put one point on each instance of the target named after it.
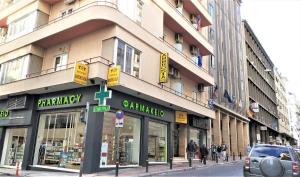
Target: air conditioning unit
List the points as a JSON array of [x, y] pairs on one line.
[[176, 74], [193, 50], [67, 2], [201, 87], [178, 38], [193, 19], [178, 3]]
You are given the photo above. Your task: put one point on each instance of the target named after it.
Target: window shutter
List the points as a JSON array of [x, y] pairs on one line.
[[17, 103]]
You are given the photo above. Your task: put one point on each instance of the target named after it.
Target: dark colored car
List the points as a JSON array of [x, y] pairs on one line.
[[272, 161]]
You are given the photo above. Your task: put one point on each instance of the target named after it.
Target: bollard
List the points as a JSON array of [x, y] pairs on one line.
[[171, 163], [226, 157], [233, 156], [240, 156], [117, 168], [190, 162], [147, 164], [17, 170]]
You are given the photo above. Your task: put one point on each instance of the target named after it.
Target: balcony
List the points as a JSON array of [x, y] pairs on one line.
[[195, 7], [50, 81], [97, 15], [178, 23]]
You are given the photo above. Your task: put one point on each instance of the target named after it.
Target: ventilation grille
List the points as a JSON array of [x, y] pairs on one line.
[[17, 103]]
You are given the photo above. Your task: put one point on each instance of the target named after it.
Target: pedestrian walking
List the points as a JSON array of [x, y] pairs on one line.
[[204, 153], [224, 151], [248, 149], [219, 151], [190, 149], [213, 150]]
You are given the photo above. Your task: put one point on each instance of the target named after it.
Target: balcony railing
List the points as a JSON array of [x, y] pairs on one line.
[[104, 61], [187, 20]]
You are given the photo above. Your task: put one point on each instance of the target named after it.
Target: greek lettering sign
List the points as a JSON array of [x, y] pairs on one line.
[[163, 69], [127, 104], [181, 117], [4, 113], [60, 100], [81, 73], [113, 76], [101, 97]]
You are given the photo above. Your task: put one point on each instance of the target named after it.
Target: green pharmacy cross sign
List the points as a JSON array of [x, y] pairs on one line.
[[101, 96]]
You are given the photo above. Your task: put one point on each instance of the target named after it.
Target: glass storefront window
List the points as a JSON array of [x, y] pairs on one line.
[[14, 144], [129, 140], [198, 136], [157, 142], [59, 140]]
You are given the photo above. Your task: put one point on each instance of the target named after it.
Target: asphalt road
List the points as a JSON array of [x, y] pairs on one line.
[[221, 170]]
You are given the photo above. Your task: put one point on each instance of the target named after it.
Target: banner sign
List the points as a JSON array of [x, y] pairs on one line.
[[113, 76], [164, 68], [81, 73], [181, 117]]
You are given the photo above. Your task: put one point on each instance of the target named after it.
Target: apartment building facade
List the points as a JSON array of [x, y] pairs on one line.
[[285, 136], [294, 116], [229, 93], [41, 107], [262, 111]]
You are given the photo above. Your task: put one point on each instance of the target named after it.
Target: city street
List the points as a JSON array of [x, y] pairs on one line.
[[221, 170]]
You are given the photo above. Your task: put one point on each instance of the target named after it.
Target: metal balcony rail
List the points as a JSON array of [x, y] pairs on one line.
[[188, 21]]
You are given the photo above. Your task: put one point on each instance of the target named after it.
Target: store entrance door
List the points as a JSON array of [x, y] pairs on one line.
[[14, 145], [180, 141]]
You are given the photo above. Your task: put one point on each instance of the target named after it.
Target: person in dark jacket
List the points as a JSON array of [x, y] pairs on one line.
[[204, 153], [190, 149]]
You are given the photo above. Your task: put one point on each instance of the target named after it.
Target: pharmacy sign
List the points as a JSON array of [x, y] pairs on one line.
[[101, 97]]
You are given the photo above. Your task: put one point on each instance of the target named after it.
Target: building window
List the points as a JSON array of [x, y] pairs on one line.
[[128, 58], [157, 142], [14, 70], [22, 26], [14, 145], [129, 140], [59, 140], [61, 62], [211, 34], [212, 61], [211, 9], [131, 8]]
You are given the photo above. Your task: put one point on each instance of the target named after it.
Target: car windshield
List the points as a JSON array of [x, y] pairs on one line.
[[265, 151]]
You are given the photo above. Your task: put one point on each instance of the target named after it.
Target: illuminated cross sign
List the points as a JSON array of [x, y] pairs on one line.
[[101, 96]]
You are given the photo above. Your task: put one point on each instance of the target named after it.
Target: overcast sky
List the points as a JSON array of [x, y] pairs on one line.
[[276, 23]]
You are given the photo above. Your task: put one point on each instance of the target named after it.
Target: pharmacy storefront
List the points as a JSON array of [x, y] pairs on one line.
[[60, 131], [15, 119]]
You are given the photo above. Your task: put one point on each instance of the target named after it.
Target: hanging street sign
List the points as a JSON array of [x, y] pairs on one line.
[[113, 76], [101, 97], [81, 73], [164, 68]]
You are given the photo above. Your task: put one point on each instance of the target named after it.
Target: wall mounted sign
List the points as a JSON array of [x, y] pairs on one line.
[[255, 107], [181, 117], [81, 73], [101, 97], [163, 68], [113, 76], [127, 104], [60, 100], [199, 122], [4, 113]]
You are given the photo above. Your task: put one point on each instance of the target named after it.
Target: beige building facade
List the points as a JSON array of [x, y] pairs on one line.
[[40, 43]]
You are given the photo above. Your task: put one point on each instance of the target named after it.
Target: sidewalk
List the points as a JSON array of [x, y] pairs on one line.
[[137, 171]]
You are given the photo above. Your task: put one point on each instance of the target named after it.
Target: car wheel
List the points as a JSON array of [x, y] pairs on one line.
[[271, 167]]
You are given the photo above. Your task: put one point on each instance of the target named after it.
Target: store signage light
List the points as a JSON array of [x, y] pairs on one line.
[[4, 113], [60, 100], [143, 108]]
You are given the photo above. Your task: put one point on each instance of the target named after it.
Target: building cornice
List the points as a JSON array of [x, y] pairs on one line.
[[232, 112]]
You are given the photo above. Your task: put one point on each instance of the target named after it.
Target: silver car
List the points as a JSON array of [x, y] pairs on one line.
[[272, 161]]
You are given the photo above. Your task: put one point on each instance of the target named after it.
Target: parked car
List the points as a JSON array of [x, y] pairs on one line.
[[272, 161]]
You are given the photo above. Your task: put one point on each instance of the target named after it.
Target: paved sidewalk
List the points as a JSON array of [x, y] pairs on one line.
[[136, 171]]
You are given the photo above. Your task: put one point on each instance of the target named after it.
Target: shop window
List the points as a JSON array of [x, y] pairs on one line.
[[60, 140], [13, 148], [14, 69], [129, 140], [128, 58], [157, 142], [61, 62]]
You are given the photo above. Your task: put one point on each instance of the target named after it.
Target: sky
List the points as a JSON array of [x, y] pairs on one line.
[[276, 23]]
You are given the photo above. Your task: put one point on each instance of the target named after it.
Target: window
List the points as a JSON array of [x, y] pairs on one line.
[[177, 86], [131, 8], [211, 34], [157, 142], [129, 141], [61, 62], [14, 70], [22, 26], [128, 58], [211, 9], [212, 61]]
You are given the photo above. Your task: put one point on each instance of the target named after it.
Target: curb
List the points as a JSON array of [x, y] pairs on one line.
[[185, 169]]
